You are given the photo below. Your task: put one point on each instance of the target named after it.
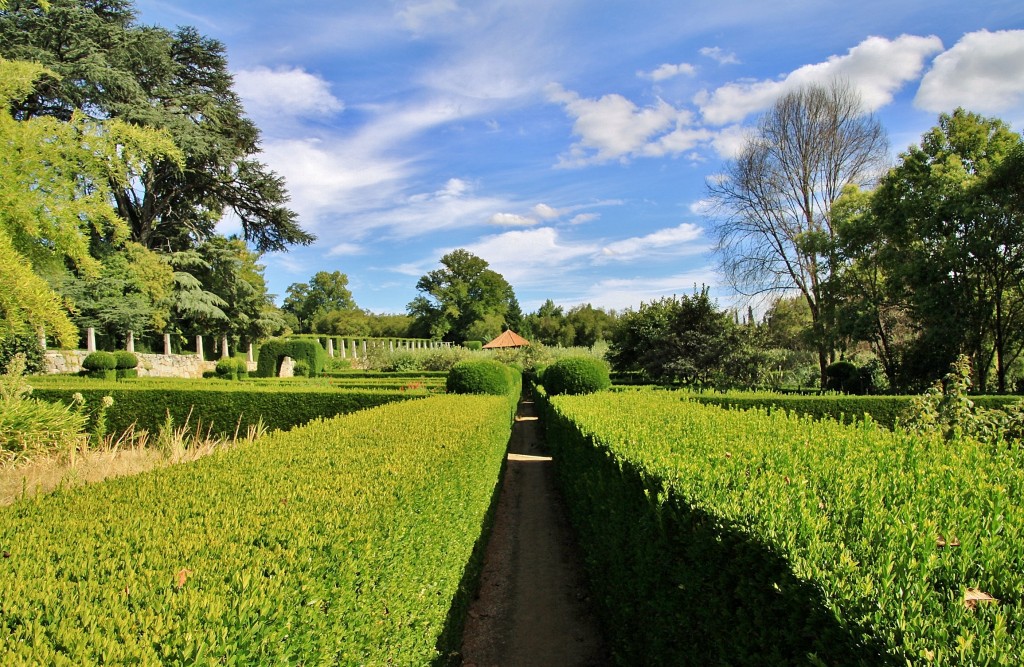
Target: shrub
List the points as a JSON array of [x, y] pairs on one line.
[[472, 344], [481, 376], [310, 351], [26, 345], [29, 426], [125, 360], [269, 362], [227, 369], [241, 367], [301, 369], [100, 361], [576, 375], [843, 376]]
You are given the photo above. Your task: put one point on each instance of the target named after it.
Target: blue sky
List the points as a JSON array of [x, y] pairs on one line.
[[566, 142]]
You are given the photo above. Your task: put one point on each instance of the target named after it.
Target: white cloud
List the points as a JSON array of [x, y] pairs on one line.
[[584, 218], [673, 239], [623, 293], [668, 71], [614, 128], [419, 16], [877, 68], [344, 249], [531, 257], [701, 206], [729, 141], [546, 212], [511, 220], [719, 55], [285, 93], [983, 72]]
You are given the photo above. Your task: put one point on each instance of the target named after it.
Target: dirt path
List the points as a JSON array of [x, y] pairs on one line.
[[533, 608]]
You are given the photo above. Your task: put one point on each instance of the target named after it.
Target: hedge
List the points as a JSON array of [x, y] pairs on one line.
[[743, 538], [576, 375], [483, 376], [353, 540], [218, 406], [885, 410]]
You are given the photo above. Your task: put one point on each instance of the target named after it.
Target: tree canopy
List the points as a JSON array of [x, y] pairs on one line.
[[463, 300]]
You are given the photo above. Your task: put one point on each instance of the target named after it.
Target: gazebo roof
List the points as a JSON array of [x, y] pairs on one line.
[[508, 339]]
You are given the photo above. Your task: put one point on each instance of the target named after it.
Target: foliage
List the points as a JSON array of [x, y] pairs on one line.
[[576, 375], [843, 376], [125, 360], [301, 369], [781, 540], [232, 368], [45, 229], [480, 376], [775, 200], [950, 240], [268, 364], [356, 540], [29, 427], [325, 293], [223, 407], [458, 296], [685, 340], [473, 345], [27, 345], [106, 65], [100, 361], [550, 326]]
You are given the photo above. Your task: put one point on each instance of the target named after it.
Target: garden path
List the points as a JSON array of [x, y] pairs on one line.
[[533, 608]]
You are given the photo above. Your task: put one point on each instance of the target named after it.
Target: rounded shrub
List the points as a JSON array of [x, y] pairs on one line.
[[576, 375], [479, 376], [301, 368], [126, 360], [241, 367], [472, 345], [843, 376], [100, 361], [226, 368]]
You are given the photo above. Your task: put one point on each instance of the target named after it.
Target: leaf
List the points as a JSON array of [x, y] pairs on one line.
[[181, 576], [975, 596]]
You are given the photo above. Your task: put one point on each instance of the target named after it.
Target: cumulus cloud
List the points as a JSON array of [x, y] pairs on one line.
[[674, 239], [584, 218], [614, 128], [719, 55], [623, 293], [983, 72], [531, 257], [668, 71], [877, 68], [545, 212], [285, 93]]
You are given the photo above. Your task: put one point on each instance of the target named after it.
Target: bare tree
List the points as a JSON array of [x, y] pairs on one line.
[[773, 203]]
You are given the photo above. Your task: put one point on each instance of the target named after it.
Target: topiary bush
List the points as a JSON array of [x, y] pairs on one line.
[[301, 369], [472, 345], [101, 365], [227, 369], [843, 376], [480, 376], [269, 362], [576, 375], [125, 360], [309, 351]]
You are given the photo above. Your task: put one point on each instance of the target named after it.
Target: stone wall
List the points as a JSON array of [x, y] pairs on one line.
[[150, 365]]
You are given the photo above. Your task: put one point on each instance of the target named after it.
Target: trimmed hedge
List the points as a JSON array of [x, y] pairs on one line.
[[576, 375], [884, 410], [780, 540], [481, 376], [306, 350], [220, 407], [354, 540], [100, 361], [125, 360]]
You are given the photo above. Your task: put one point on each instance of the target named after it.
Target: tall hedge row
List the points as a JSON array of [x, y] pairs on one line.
[[350, 541], [306, 350]]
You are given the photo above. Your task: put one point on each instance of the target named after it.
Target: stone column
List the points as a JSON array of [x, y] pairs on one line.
[[341, 347], [42, 339], [248, 355], [167, 344], [90, 340], [364, 348], [330, 347], [199, 348], [224, 347], [130, 343], [354, 355]]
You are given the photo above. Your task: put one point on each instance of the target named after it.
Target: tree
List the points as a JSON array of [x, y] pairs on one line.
[[950, 216], [775, 200], [55, 181], [457, 296], [325, 292], [590, 324], [106, 66], [549, 326], [685, 340]]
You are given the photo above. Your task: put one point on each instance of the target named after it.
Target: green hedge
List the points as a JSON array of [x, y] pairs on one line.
[[353, 540], [576, 375], [742, 538], [482, 376], [885, 410], [220, 406]]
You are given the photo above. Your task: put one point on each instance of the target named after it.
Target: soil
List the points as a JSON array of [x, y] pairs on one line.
[[533, 608]]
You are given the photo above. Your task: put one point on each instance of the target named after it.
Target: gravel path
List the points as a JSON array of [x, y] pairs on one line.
[[533, 608]]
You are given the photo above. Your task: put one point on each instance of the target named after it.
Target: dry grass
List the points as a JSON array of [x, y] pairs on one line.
[[132, 453]]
